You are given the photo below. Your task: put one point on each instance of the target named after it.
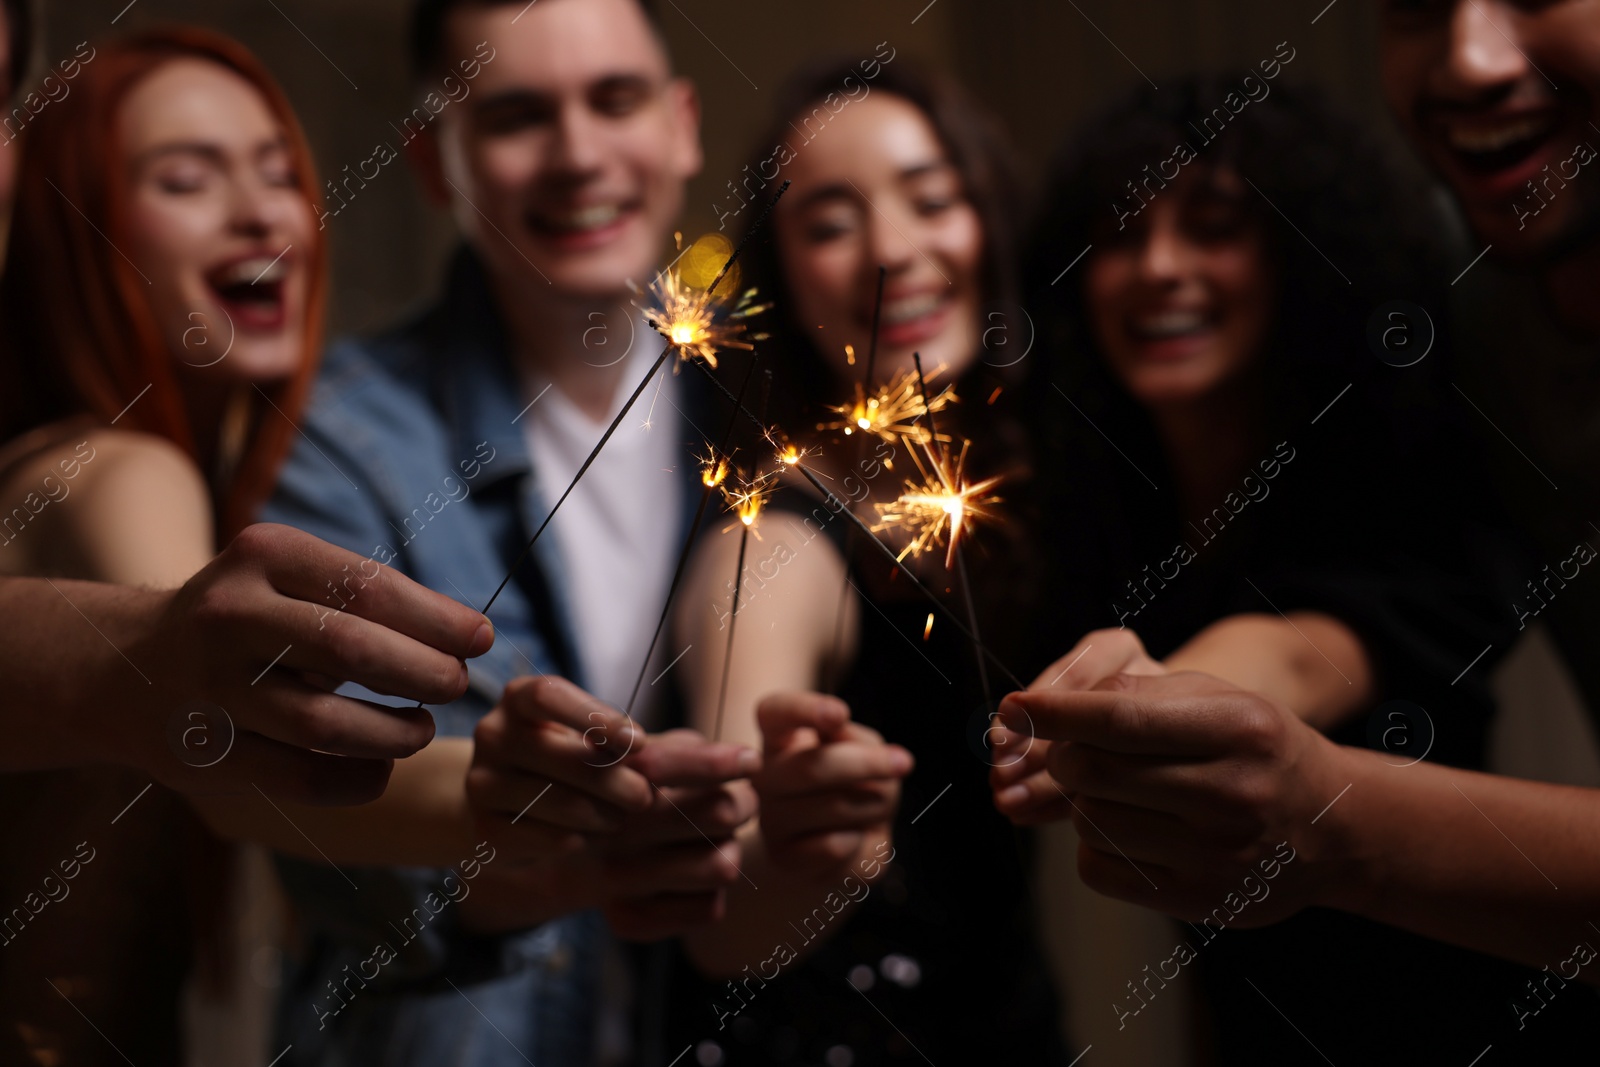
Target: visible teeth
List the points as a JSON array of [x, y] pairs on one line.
[[587, 218], [1170, 324], [910, 308], [1476, 138], [258, 269]]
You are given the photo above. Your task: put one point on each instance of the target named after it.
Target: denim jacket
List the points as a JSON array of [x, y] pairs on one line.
[[410, 454]]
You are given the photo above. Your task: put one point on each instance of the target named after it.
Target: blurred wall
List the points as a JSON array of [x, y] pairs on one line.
[[1041, 64]]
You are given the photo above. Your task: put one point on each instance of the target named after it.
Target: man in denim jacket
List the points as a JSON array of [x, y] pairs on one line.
[[561, 141]]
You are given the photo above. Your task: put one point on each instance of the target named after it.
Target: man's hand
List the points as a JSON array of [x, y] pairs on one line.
[[1182, 786], [256, 634], [668, 869], [599, 813], [826, 784], [1024, 790]]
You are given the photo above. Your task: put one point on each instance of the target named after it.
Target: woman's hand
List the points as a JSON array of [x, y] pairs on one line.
[[827, 785]]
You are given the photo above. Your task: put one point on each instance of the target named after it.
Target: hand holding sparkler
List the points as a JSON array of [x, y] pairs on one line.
[[1023, 789], [829, 787], [600, 812], [1198, 783]]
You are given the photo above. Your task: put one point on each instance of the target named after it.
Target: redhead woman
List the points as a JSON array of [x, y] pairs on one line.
[[163, 303]]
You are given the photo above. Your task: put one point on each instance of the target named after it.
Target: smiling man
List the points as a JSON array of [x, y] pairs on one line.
[[1500, 99], [439, 448]]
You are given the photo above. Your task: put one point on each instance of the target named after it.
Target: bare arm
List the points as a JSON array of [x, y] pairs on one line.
[[785, 633], [1203, 781], [1497, 864], [1309, 662], [421, 820], [101, 671]]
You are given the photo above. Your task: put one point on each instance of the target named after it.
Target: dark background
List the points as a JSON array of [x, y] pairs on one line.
[[1041, 64]]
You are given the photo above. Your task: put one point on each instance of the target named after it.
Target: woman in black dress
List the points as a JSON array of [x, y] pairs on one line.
[[1254, 449], [882, 932]]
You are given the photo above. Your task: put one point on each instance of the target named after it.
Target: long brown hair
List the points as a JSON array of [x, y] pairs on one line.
[[80, 335], [803, 382], [981, 154]]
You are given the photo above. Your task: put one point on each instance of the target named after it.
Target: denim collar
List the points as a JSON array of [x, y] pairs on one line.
[[472, 378]]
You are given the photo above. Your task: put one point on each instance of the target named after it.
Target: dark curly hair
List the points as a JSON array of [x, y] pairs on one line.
[[1386, 514], [1345, 234]]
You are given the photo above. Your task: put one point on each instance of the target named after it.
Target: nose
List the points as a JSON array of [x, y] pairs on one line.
[[576, 148], [1484, 52], [887, 242], [258, 207], [1163, 254]]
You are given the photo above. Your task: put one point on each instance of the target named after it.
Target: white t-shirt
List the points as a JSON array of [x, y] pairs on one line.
[[618, 534]]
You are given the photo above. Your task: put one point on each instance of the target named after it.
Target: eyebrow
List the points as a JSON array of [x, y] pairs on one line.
[[844, 191], [519, 97], [931, 167]]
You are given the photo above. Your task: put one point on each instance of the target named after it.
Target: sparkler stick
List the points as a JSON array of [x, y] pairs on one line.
[[733, 621], [587, 463], [711, 479], [747, 504], [877, 320], [956, 548], [674, 343], [843, 508]]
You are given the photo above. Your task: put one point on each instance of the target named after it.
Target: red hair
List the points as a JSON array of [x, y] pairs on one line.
[[79, 334]]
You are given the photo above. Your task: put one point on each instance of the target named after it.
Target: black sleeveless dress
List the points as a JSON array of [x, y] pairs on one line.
[[941, 960]]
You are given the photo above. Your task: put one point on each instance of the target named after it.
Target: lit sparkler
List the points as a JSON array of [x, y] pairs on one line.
[[948, 499], [841, 508], [749, 498], [696, 321], [713, 469], [789, 454], [892, 412], [942, 507]]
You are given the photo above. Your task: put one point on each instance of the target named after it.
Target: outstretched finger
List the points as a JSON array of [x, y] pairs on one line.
[[835, 766], [783, 715], [1182, 714], [304, 567], [548, 698], [685, 758]]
